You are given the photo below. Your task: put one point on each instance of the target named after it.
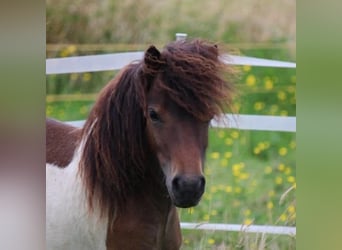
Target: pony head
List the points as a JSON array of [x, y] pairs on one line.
[[154, 116]]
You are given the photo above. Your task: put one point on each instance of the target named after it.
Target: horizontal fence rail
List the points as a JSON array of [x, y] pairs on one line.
[[94, 63], [280, 230], [244, 122], [256, 122]]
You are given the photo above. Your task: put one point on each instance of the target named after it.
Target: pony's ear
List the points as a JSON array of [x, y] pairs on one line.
[[152, 59], [215, 46]]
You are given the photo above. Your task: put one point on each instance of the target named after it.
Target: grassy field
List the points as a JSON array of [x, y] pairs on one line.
[[251, 175]]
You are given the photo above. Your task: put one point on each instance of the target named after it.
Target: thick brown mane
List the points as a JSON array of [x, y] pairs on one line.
[[117, 155], [193, 77], [114, 153]]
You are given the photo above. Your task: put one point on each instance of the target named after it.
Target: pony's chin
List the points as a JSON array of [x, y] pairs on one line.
[[184, 203]]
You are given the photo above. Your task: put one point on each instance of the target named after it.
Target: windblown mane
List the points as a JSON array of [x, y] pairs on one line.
[[194, 78], [115, 141], [116, 147]]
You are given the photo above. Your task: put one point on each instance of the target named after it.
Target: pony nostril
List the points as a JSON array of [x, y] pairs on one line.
[[201, 182], [176, 183]]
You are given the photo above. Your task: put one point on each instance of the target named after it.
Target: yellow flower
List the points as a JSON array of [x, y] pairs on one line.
[[211, 241], [250, 80], [186, 241], [221, 134], [284, 113], [246, 68], [282, 151], [228, 141], [236, 107], [236, 167], [256, 150], [49, 110], [291, 89], [228, 155], [86, 77], [64, 53], [268, 170], [292, 145], [281, 95], [291, 179], [190, 210], [247, 222], [271, 193], [234, 134], [283, 217], [287, 171], [71, 49], [73, 76], [236, 173], [278, 180], [259, 106], [281, 167], [291, 209], [262, 145], [215, 155], [228, 189], [247, 212], [206, 217], [269, 205], [237, 190], [268, 84], [213, 212], [68, 51], [244, 176], [213, 189]]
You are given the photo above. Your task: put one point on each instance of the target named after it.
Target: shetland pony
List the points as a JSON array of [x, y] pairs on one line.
[[116, 182]]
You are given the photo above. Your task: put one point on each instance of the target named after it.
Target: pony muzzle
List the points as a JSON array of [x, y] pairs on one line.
[[187, 190]]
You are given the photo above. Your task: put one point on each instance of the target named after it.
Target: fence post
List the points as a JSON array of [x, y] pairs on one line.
[[181, 36]]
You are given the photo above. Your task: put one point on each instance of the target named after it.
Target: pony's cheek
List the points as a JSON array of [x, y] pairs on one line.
[[165, 165]]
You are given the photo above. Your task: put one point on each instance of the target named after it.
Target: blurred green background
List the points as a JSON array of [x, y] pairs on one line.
[[251, 175]]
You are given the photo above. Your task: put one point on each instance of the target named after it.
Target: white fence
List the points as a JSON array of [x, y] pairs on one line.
[[245, 122]]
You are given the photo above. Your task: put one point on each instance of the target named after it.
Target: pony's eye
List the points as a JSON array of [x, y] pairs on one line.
[[153, 115]]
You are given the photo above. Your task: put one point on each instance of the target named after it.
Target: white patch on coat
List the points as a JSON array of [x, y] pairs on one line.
[[68, 222]]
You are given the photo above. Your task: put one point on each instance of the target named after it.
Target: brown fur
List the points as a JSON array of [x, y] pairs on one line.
[[61, 141], [121, 164]]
